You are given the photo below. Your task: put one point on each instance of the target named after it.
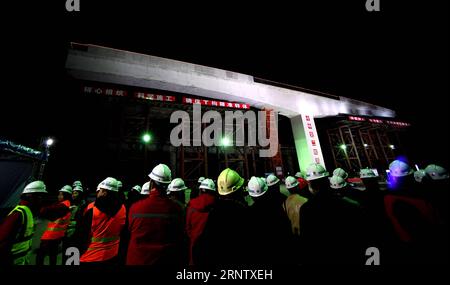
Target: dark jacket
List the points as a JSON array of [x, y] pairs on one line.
[[196, 217], [225, 237], [270, 240], [332, 231]]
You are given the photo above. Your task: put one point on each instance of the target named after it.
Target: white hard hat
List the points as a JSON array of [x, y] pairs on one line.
[[176, 185], [367, 173], [77, 183], [66, 189], [399, 168], [340, 172], [315, 171], [35, 187], [78, 188], [145, 188], [200, 180], [208, 184], [136, 188], [257, 186], [110, 184], [436, 172], [161, 173], [272, 180], [337, 182], [419, 175], [291, 182]]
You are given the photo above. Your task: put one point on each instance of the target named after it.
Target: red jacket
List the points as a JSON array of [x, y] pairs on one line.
[[156, 231], [197, 215]]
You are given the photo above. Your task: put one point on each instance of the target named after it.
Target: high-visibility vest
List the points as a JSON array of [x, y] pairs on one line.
[[105, 235], [73, 221], [57, 228], [24, 238]]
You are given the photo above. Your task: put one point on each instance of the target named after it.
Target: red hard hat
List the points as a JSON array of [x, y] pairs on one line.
[[302, 183]]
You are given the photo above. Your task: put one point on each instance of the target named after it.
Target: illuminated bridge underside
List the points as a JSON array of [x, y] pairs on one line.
[[108, 65]]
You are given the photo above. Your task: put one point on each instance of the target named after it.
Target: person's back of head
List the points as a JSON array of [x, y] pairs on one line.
[[369, 179], [319, 186], [108, 197], [230, 186], [401, 178], [207, 186], [160, 177], [317, 177]]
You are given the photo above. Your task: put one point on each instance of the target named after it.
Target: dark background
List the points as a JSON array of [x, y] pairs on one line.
[[396, 58]]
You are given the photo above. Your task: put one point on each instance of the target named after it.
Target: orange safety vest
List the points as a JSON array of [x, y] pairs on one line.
[[105, 235], [57, 228]]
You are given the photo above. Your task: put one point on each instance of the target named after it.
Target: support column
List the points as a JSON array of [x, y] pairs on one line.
[[306, 141]]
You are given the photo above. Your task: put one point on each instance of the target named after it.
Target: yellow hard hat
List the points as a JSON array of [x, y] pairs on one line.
[[229, 181]]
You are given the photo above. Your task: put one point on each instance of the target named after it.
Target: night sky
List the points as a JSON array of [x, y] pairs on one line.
[[396, 58]]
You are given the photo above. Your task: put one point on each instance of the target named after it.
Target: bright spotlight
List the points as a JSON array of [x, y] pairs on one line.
[[49, 142], [226, 141], [146, 138]]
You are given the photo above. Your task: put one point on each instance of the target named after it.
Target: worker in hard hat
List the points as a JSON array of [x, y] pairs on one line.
[[339, 172], [372, 202], [437, 187], [197, 214], [17, 229], [196, 190], [77, 183], [133, 196], [338, 184], [372, 193], [342, 189], [76, 214], [176, 191], [52, 237], [225, 235], [400, 176], [293, 204], [412, 217], [145, 191], [419, 175], [303, 185], [274, 189], [326, 215], [101, 227], [437, 184], [268, 220], [156, 225]]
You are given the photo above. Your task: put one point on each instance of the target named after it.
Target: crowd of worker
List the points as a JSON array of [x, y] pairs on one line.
[[325, 219]]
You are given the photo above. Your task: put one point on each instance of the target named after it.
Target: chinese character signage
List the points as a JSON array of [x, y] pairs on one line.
[[312, 139], [207, 102], [104, 91]]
